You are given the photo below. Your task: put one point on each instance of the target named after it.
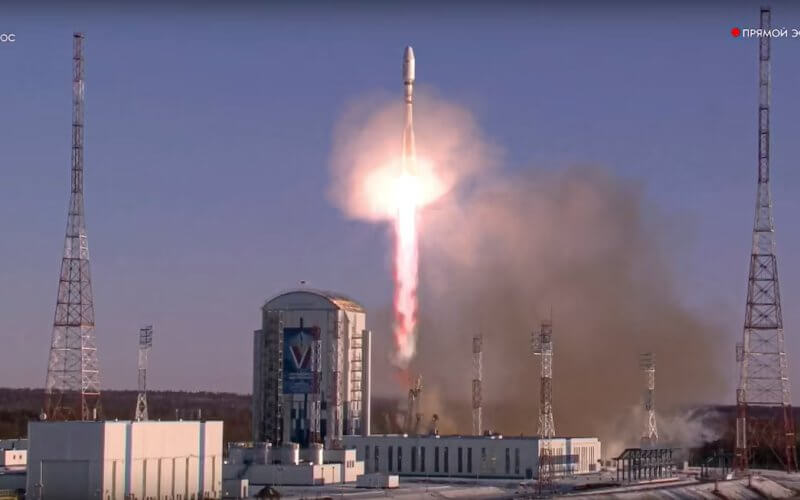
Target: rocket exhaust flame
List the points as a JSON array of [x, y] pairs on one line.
[[378, 177], [406, 252]]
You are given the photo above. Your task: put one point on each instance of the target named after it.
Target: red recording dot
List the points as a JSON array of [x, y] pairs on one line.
[[736, 32]]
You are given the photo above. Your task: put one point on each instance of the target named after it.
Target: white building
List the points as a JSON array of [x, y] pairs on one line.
[[310, 369], [13, 458], [124, 460], [471, 456], [261, 465]]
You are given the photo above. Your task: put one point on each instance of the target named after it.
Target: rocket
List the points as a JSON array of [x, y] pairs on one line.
[[409, 150]]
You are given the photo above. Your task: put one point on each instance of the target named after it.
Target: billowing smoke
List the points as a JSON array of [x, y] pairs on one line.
[[500, 250], [376, 180]]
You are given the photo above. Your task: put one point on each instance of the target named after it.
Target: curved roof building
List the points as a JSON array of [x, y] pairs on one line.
[[310, 369]]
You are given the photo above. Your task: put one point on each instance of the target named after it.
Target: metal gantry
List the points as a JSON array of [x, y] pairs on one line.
[[145, 344], [763, 397], [73, 372], [477, 385], [647, 362], [636, 464]]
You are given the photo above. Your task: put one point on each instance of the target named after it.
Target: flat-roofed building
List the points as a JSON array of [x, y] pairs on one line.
[[472, 456], [118, 460]]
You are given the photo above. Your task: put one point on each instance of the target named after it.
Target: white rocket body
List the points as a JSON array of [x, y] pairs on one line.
[[409, 149]]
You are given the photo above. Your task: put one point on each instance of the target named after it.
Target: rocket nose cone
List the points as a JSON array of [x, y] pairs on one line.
[[408, 65]]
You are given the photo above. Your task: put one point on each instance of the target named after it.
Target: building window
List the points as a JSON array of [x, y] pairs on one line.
[[516, 460], [483, 459], [469, 460], [508, 461], [447, 459], [366, 455], [436, 459], [422, 459], [413, 459], [391, 458], [377, 461], [460, 460], [399, 459]]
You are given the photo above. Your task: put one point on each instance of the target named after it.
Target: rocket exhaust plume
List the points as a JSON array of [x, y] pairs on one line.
[[406, 255], [378, 178]]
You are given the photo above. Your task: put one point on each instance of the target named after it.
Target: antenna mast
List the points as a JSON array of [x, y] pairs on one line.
[[763, 397], [543, 347], [73, 372], [145, 344], [647, 362], [477, 384]]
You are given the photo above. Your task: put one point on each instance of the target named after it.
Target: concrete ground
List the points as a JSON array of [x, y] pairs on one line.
[[763, 484]]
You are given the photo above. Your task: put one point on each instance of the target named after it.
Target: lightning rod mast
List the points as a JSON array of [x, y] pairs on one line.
[[72, 389], [477, 384], [647, 362], [763, 397], [145, 344]]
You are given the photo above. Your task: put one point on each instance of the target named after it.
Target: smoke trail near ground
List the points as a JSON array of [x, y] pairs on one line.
[[499, 248]]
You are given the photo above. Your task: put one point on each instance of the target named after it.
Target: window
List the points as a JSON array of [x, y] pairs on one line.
[[447, 459], [460, 460], [391, 458], [413, 459], [366, 455], [508, 461], [377, 461], [483, 459], [399, 459], [469, 460], [516, 460], [422, 459], [436, 459]]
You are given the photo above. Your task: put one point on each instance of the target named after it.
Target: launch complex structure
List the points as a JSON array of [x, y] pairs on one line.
[[313, 353]]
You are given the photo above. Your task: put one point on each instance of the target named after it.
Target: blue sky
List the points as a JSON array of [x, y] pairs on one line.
[[208, 135]]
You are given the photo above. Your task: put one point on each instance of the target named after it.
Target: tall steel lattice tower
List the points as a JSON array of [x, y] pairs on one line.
[[543, 347], [647, 362], [73, 372], [763, 399], [145, 344], [477, 385]]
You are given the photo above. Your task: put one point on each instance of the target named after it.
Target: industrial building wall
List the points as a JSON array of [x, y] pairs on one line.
[[192, 449], [64, 457], [465, 456], [120, 459]]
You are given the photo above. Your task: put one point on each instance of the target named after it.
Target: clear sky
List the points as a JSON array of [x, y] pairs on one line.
[[209, 130]]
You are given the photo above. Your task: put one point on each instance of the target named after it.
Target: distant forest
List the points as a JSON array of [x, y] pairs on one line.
[[18, 406]]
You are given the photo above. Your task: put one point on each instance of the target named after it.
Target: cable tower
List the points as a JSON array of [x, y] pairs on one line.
[[73, 372], [145, 343], [477, 384], [543, 347], [763, 398], [647, 362]]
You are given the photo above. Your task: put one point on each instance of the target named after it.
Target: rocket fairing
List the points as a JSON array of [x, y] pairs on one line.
[[409, 150]]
